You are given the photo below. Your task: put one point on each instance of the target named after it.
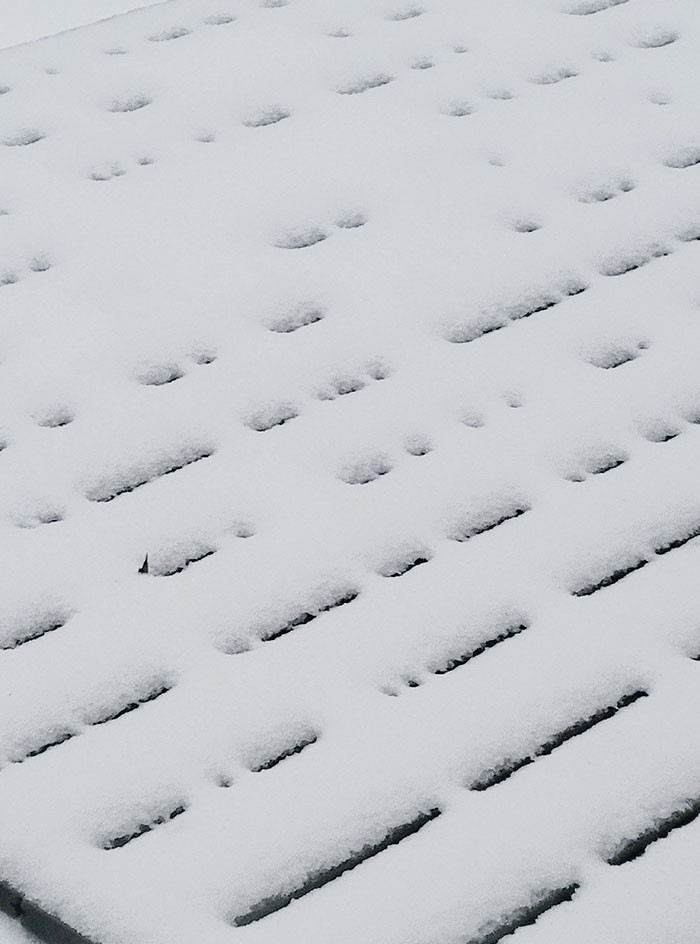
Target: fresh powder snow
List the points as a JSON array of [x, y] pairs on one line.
[[349, 456]]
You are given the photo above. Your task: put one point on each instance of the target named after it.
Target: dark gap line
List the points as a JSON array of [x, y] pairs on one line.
[[512, 314], [578, 288], [306, 616], [133, 705], [634, 848], [628, 267], [527, 915], [322, 877], [36, 633], [186, 563], [301, 620], [611, 579], [617, 575], [499, 774], [487, 329], [162, 383], [631, 264], [617, 363], [137, 483], [261, 425], [406, 566], [61, 739], [612, 464], [584, 725], [458, 661], [119, 841], [341, 601], [475, 530], [678, 542], [69, 735], [491, 777], [289, 752]]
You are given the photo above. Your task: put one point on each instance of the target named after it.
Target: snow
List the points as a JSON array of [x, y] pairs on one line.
[[36, 19], [13, 933], [350, 423]]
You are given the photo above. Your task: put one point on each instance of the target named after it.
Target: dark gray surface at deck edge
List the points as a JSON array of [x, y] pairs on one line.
[[32, 917]]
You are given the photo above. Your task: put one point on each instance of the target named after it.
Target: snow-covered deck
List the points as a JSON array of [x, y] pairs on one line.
[[350, 405]]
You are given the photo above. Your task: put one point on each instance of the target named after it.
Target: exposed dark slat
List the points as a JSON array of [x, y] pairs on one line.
[[323, 876], [289, 752], [491, 777], [526, 915], [633, 848]]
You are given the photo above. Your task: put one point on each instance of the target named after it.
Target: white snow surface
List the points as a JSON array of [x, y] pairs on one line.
[[12, 933], [295, 295]]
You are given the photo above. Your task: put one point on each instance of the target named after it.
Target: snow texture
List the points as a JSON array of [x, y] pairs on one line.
[[349, 448]]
